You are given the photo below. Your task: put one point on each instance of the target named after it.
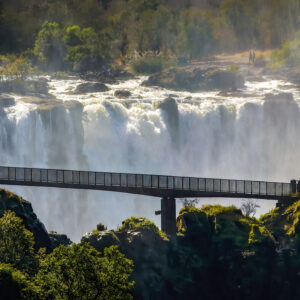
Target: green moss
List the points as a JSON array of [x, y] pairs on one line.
[[140, 224], [258, 234], [101, 227], [214, 210]]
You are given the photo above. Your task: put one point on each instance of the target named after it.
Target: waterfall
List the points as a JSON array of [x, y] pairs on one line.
[[233, 137]]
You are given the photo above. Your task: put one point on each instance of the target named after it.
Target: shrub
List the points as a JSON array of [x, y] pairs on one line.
[[147, 65], [50, 47], [234, 68], [16, 66], [81, 272], [15, 285], [16, 246]]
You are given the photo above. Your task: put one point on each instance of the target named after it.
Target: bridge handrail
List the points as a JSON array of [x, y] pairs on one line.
[[149, 181]]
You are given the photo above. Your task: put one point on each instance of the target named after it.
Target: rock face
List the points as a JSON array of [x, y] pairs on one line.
[[6, 101], [139, 239], [280, 98], [122, 94], [23, 209], [58, 239], [37, 88], [107, 75], [211, 245], [170, 108], [223, 80], [196, 80], [91, 87]]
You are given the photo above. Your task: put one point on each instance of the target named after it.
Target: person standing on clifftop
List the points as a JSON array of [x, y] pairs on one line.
[[250, 57]]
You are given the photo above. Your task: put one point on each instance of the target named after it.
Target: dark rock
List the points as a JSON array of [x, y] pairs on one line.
[[197, 80], [294, 78], [182, 60], [6, 101], [37, 88], [23, 209], [107, 75], [91, 87], [170, 107], [101, 239], [223, 80], [121, 94], [280, 98], [59, 239]]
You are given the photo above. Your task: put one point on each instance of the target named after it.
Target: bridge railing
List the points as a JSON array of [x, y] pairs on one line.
[[87, 178]]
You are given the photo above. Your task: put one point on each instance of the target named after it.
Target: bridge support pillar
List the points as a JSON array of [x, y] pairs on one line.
[[168, 215]]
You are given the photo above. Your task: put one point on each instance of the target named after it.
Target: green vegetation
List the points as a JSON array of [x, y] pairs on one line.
[[289, 54], [218, 252], [81, 272], [15, 285], [69, 272], [16, 247], [72, 35]]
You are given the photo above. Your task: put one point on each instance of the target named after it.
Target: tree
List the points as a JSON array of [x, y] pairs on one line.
[[16, 246], [15, 285], [249, 207], [81, 272], [49, 46]]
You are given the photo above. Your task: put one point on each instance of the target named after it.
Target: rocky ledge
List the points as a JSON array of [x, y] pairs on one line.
[[196, 80]]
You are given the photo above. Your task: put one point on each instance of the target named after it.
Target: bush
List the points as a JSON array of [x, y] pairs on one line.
[[150, 64], [81, 272], [16, 246], [288, 55], [50, 47], [15, 285], [234, 68], [16, 66]]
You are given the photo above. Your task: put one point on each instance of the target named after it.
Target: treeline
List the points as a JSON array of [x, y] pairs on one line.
[[94, 32]]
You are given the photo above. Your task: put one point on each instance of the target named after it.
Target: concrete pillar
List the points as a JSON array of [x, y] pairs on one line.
[[168, 215], [298, 186], [293, 186]]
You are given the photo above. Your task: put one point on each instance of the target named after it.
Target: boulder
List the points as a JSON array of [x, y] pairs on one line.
[[91, 87], [223, 80], [101, 239], [122, 94], [37, 88], [196, 80], [280, 98], [107, 75], [23, 209], [6, 101], [59, 239]]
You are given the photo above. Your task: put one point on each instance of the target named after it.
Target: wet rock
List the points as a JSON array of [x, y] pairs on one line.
[[91, 87], [223, 80], [23, 209], [37, 88], [107, 75], [101, 239], [197, 80], [294, 78], [122, 94], [6, 101], [170, 107], [280, 98], [58, 239]]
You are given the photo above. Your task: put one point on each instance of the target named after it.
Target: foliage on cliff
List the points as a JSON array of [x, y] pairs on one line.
[[69, 272]]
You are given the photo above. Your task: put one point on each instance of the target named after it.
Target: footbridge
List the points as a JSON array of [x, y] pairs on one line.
[[168, 188]]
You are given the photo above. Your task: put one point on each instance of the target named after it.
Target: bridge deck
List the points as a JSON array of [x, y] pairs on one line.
[[144, 184]]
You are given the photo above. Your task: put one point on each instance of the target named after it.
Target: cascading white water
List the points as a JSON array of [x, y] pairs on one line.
[[212, 136]]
